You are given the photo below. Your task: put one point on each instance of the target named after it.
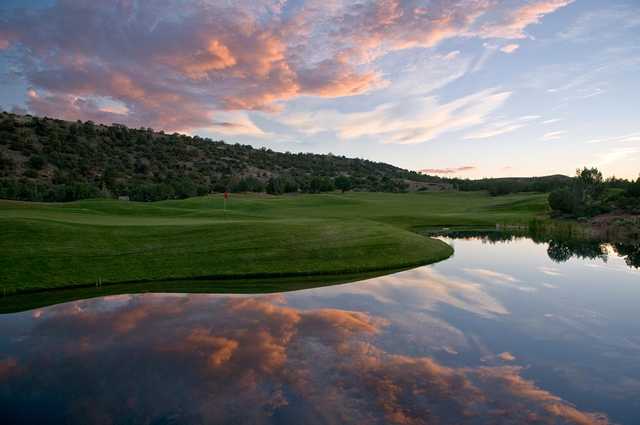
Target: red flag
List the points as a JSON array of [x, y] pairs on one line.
[[226, 195]]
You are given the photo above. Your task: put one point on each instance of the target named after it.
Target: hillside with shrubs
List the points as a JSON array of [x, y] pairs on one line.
[[44, 159]]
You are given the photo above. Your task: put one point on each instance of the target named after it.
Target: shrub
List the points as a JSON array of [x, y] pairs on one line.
[[562, 200]]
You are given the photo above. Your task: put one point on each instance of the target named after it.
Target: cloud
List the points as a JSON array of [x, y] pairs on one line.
[[551, 121], [452, 55], [422, 119], [501, 127], [175, 65], [420, 75], [372, 29], [616, 155], [603, 23], [554, 135], [627, 138], [512, 23], [509, 48], [233, 123], [430, 120], [179, 71], [412, 120], [488, 52], [448, 170]]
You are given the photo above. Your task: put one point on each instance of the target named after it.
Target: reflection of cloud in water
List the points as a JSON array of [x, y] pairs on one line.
[[8, 367], [492, 275], [425, 333], [207, 359], [425, 288], [550, 271], [506, 356]]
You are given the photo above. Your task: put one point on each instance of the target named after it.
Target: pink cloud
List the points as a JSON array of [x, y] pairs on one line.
[[215, 56], [380, 26], [510, 48], [448, 170], [176, 70], [513, 23]]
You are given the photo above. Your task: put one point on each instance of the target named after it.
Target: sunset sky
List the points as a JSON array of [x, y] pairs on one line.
[[466, 88]]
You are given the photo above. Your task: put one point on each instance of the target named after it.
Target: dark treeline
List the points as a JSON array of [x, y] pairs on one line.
[[43, 159], [507, 185], [588, 194]]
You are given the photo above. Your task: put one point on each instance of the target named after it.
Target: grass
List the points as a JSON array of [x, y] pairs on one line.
[[48, 246]]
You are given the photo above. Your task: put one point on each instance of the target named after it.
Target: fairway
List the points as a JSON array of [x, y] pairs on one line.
[[84, 243]]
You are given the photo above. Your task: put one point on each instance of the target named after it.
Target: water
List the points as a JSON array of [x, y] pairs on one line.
[[498, 334]]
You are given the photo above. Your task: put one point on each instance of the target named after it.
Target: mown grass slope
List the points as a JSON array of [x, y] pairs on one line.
[[45, 246]]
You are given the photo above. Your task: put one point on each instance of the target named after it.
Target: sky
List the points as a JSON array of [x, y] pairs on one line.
[[466, 88]]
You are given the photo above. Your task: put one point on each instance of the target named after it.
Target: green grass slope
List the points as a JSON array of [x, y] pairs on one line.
[[47, 246]]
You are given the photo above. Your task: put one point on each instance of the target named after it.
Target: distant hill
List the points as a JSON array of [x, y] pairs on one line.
[[44, 159], [505, 185]]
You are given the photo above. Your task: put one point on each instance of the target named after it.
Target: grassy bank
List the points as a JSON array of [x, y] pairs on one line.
[[47, 246]]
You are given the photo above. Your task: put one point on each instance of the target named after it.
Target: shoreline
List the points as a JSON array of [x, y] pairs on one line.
[[32, 298]]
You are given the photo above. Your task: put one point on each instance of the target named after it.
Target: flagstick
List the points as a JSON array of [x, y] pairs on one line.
[[225, 205]]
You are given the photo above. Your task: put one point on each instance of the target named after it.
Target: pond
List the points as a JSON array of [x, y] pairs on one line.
[[501, 333]]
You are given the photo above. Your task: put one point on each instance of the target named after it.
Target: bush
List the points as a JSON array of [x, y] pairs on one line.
[[633, 190], [562, 200], [343, 183], [36, 162]]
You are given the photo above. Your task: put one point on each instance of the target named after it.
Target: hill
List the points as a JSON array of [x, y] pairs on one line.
[[44, 159], [505, 185]]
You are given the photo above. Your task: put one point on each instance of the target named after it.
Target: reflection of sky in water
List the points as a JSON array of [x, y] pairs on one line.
[[497, 334]]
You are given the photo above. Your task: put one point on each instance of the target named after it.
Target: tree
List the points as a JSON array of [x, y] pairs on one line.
[[633, 190], [321, 184], [589, 176], [275, 186], [7, 165], [36, 162], [185, 188], [342, 183], [585, 196]]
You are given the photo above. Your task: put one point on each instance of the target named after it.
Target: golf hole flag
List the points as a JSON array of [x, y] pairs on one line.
[[226, 195]]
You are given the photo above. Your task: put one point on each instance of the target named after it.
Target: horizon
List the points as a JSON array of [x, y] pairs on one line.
[[451, 88]]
